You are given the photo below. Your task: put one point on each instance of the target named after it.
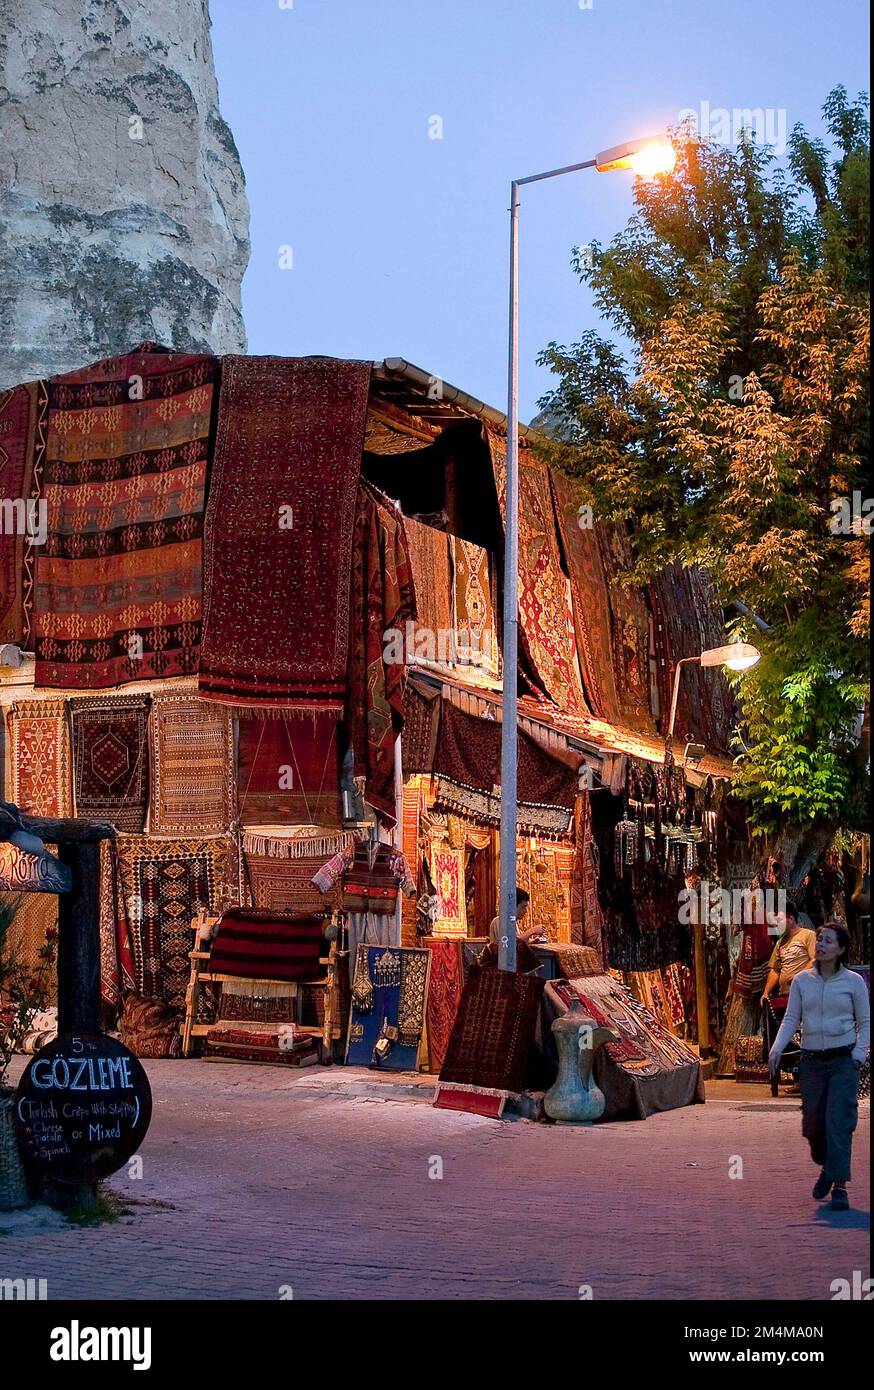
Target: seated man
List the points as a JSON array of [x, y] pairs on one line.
[[526, 960]]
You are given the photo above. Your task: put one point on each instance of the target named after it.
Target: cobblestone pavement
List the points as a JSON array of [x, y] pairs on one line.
[[258, 1184]]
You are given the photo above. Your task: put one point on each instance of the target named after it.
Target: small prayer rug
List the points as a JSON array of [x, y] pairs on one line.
[[448, 877], [279, 530], [117, 593], [192, 761], [493, 1034], [40, 757], [111, 760]]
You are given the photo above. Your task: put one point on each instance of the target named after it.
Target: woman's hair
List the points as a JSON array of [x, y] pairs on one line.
[[843, 936]]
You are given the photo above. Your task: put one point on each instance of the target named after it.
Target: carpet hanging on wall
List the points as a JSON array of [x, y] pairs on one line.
[[40, 757], [477, 650], [191, 748], [630, 626], [111, 760], [165, 884], [591, 600], [288, 770], [279, 531], [117, 594], [542, 595], [23, 422], [382, 601]]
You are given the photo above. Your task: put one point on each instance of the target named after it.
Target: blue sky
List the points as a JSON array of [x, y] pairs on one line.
[[399, 241]]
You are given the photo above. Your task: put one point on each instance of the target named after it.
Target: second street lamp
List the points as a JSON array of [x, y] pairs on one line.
[[646, 158]]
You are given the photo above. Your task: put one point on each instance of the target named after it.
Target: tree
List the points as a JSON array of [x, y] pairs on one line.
[[735, 436]]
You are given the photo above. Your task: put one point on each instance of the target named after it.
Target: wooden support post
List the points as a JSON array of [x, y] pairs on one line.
[[79, 941], [701, 989]]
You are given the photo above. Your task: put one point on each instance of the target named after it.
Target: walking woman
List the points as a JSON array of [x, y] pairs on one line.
[[830, 1004]]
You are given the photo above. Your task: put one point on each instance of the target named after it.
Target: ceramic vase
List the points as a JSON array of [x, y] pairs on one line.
[[574, 1098]]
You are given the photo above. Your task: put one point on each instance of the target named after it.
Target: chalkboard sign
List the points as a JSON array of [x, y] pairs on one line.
[[82, 1108]]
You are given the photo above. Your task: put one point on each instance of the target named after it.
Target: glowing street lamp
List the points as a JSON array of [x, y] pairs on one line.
[[647, 158], [737, 656]]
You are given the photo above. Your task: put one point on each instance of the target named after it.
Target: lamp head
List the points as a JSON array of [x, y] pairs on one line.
[[738, 656], [647, 158]]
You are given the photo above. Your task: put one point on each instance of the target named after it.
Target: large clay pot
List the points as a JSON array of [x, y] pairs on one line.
[[574, 1099], [13, 1182]]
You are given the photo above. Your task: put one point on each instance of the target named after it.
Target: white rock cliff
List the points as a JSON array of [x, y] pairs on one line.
[[123, 211]]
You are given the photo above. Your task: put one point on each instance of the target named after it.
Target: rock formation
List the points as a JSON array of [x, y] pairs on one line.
[[123, 212]]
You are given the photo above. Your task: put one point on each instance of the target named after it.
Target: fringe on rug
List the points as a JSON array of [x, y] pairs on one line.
[[476, 1090], [260, 989], [323, 844]]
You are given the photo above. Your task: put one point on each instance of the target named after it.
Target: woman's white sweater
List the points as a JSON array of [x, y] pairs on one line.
[[833, 1011]]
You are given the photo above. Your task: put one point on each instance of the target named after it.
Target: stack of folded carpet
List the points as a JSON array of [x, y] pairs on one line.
[[275, 1044]]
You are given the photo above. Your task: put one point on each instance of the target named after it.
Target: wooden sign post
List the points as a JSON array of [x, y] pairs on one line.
[[78, 843]]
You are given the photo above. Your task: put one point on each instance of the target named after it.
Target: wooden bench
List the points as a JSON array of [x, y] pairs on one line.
[[327, 1032]]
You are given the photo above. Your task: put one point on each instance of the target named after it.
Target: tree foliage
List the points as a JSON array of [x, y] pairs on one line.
[[739, 422]]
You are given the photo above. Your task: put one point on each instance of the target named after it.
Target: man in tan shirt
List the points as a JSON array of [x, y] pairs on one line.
[[795, 951]]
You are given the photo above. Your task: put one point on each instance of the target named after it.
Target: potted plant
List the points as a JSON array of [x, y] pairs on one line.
[[24, 991]]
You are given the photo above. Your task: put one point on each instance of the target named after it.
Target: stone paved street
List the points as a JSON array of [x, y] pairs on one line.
[[255, 1180]]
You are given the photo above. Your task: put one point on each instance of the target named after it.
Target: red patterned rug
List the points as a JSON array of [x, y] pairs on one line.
[[543, 612], [383, 600], [23, 420], [493, 1034], [111, 760], [591, 600], [445, 988], [279, 532], [257, 945], [288, 771], [117, 594]]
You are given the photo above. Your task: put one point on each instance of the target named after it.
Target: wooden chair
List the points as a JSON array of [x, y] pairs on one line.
[[327, 1032]]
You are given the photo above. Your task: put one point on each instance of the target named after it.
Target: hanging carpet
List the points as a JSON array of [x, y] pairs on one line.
[[542, 594], [473, 611], [259, 945], [192, 765], [23, 423], [429, 563], [279, 532], [630, 629], [445, 988], [382, 601], [165, 883], [389, 990], [40, 757], [289, 770], [118, 583], [687, 621], [591, 601], [111, 760]]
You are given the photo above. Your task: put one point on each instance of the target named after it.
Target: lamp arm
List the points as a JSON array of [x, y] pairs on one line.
[[684, 661]]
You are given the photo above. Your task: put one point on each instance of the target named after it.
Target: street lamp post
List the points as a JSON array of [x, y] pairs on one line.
[[646, 158]]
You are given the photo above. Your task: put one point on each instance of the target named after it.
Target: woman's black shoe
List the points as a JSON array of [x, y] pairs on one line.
[[840, 1200]]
